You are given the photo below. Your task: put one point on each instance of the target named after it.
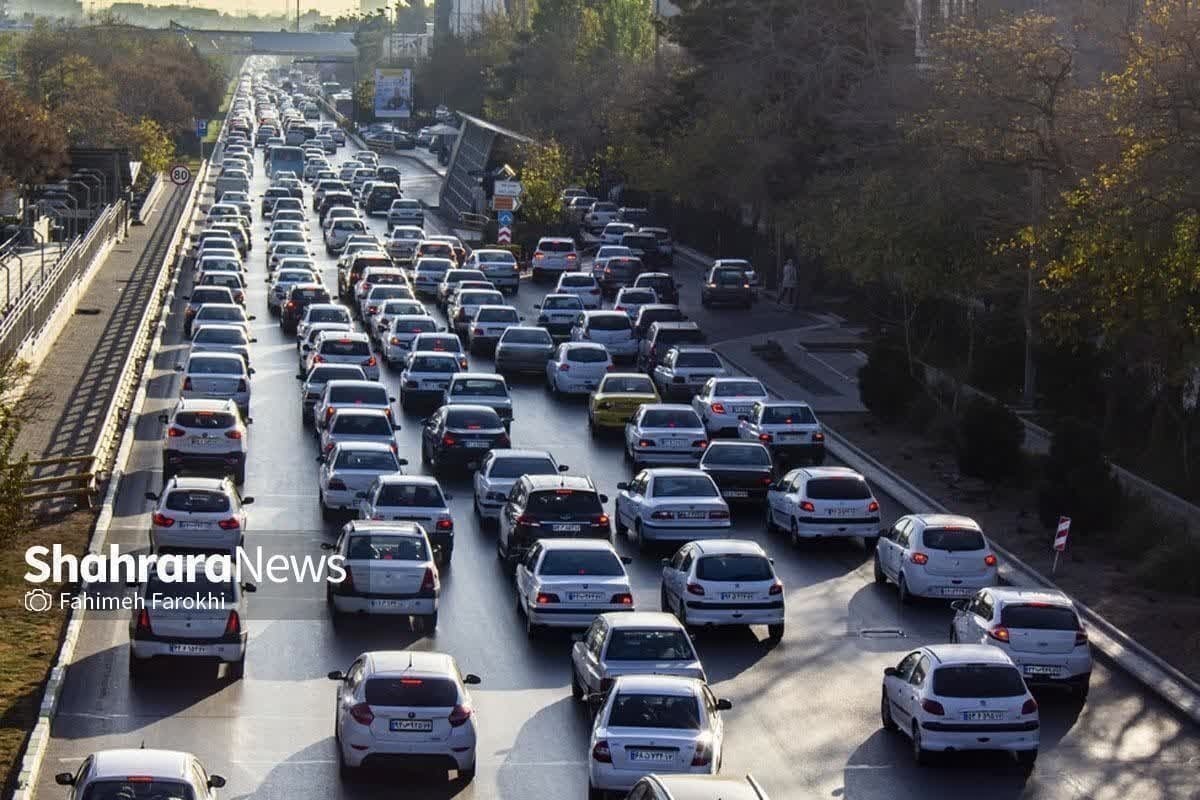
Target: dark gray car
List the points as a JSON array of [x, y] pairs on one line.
[[524, 349]]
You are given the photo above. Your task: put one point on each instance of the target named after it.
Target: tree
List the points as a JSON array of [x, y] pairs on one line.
[[32, 150], [152, 146], [544, 175], [411, 16]]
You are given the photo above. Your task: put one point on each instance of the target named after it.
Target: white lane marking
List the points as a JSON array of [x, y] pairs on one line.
[[828, 366], [868, 766]]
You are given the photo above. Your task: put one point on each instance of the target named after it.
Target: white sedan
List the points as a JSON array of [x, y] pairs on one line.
[[671, 504], [567, 583], [350, 469], [722, 402], [499, 472], [390, 570], [577, 368]]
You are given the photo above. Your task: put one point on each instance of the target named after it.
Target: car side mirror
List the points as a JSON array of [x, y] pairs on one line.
[[471, 679], [249, 587], [664, 562], [336, 675], [152, 497], [64, 779], [320, 459], [216, 782], [247, 501], [253, 340], [164, 418], [360, 495], [603, 498], [391, 399], [959, 605], [395, 426], [623, 486], [251, 370], [595, 701], [537, 305], [179, 367], [252, 317], [447, 496], [626, 560], [890, 672], [186, 296], [723, 704], [328, 546], [299, 377]]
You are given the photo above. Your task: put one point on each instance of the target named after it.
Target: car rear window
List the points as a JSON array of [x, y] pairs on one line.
[[684, 486], [221, 336], [729, 277], [631, 385], [734, 567], [221, 295], [649, 645], [609, 322], [587, 355], [478, 387], [578, 281], [306, 295], [526, 336], [556, 247], [214, 366], [564, 501], [414, 309], [738, 389], [390, 292], [580, 562], [197, 501], [383, 460], [135, 790], [419, 325], [671, 418], [358, 394], [362, 424], [516, 467], [345, 347], [837, 489], [638, 297], [432, 269], [335, 372], [560, 303], [953, 540], [414, 692], [639, 242], [1039, 616], [737, 456], [498, 257], [386, 547], [414, 495], [698, 360], [978, 680], [444, 250], [497, 315], [208, 420], [678, 712], [788, 415], [472, 419], [670, 336], [433, 364], [328, 315]]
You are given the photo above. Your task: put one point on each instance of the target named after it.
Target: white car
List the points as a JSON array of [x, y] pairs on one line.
[[357, 425], [404, 211], [1039, 629], [221, 314], [581, 285], [397, 331], [557, 313], [389, 571], [217, 376], [481, 389], [659, 724], [554, 255], [337, 233], [427, 273], [671, 504], [724, 582], [603, 254], [683, 370], [567, 583], [314, 332], [141, 772], [499, 266], [198, 515], [426, 375], [609, 328], [342, 347], [283, 250], [615, 231], [789, 429], [403, 241], [577, 368], [664, 434], [953, 697], [405, 703], [466, 303], [222, 338], [489, 324], [450, 283], [312, 384], [350, 469], [498, 473], [935, 555], [823, 502], [635, 643], [377, 296], [722, 402], [204, 435], [412, 498], [315, 313]]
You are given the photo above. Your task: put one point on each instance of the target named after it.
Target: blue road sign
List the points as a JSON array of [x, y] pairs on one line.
[[505, 218], [201, 128]]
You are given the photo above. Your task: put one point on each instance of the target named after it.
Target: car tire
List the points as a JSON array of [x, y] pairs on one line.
[[795, 532], [618, 525], [236, 669], [885, 714], [345, 771], [467, 775], [880, 575], [596, 794], [921, 756], [902, 589], [577, 692], [775, 633], [769, 519], [593, 431], [424, 451], [326, 512], [638, 538], [239, 475], [429, 622]]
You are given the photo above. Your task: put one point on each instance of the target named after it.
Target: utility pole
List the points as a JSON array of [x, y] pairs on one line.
[[297, 16], [1028, 390]]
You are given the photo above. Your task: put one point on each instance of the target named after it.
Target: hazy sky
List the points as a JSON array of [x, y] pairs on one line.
[[327, 7]]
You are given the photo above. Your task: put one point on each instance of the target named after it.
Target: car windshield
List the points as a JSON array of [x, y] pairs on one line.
[[526, 336], [587, 355], [978, 680], [412, 692], [309, 294], [362, 425], [418, 325], [788, 415], [432, 364], [221, 336], [208, 420], [415, 495], [684, 486], [737, 455], [577, 281], [564, 501], [1039, 616], [472, 419], [197, 501], [729, 277], [215, 366], [377, 460], [581, 562], [734, 567], [649, 645], [517, 466], [376, 395], [385, 547], [701, 360], [345, 347], [139, 789], [202, 296], [846, 488], [953, 540], [478, 387], [498, 257], [334, 372], [637, 297], [671, 418], [609, 322], [560, 303]]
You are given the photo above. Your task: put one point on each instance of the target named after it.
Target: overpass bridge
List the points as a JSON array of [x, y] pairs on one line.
[[270, 43]]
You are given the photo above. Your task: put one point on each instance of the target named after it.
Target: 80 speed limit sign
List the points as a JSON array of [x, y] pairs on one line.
[[180, 174]]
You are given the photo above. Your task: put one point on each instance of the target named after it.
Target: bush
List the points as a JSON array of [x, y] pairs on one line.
[[989, 441], [1172, 562], [884, 384], [1078, 481]]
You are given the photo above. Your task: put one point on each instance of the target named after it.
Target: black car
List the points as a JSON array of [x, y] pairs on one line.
[[742, 470], [727, 286], [388, 174], [662, 284], [267, 206], [645, 247], [333, 200], [655, 312], [380, 198], [300, 297], [550, 506], [461, 435]]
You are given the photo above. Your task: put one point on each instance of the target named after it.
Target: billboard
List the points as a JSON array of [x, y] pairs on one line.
[[393, 93]]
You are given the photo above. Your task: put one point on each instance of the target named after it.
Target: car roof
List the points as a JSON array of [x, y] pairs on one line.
[[436, 353], [520, 453], [947, 521], [360, 383], [171, 764], [585, 346], [196, 482], [729, 547], [416, 480], [693, 348], [381, 526], [379, 447], [766, 403], [659, 684], [574, 482], [830, 472], [667, 407], [557, 239], [605, 312], [199, 404], [409, 661], [707, 787], [212, 355], [1013, 594], [576, 544], [673, 472], [350, 411], [642, 619], [674, 324], [949, 654], [477, 376], [344, 334]]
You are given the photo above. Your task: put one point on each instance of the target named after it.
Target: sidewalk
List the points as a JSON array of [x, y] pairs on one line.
[[77, 380], [26, 268]]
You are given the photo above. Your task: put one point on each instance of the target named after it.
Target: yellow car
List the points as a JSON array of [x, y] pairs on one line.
[[617, 398]]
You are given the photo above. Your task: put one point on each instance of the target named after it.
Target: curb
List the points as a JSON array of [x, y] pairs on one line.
[[1178, 690]]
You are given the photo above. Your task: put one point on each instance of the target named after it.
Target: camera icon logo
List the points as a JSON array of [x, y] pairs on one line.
[[38, 600]]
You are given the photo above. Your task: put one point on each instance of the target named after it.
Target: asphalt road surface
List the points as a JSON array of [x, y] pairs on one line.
[[805, 720]]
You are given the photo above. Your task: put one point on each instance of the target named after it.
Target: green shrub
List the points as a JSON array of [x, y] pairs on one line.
[[989, 441], [884, 384], [1078, 481], [1170, 556]]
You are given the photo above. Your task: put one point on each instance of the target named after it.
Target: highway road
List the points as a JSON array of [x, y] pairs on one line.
[[805, 719]]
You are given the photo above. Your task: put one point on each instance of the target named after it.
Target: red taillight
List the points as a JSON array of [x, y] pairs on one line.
[[601, 520], [718, 408], [477, 332], [318, 359], [990, 560], [701, 443], [449, 441], [536, 256], [765, 438], [645, 443], [362, 714], [718, 515], [528, 520], [233, 625], [546, 597], [187, 384], [370, 362], [372, 309], [1081, 637], [328, 413], [1030, 706], [695, 588], [622, 599], [776, 588], [662, 515], [445, 524], [230, 524], [163, 521], [571, 256], [564, 367], [873, 505], [329, 447], [818, 437], [806, 505], [601, 752], [459, 715], [291, 304], [765, 480], [920, 558], [174, 432], [702, 755], [143, 621], [999, 633], [429, 583], [233, 434], [933, 707]]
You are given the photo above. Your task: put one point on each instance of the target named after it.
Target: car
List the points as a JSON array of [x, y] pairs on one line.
[[499, 471], [379, 197], [404, 211], [654, 723], [631, 643], [285, 250], [282, 282], [956, 697], [426, 375], [357, 425], [721, 582], [581, 285], [726, 286], [600, 214], [577, 368], [232, 280], [483, 389], [633, 214], [741, 264], [269, 198], [524, 349], [1039, 629], [823, 502], [141, 772], [554, 255], [197, 515], [697, 787], [315, 313], [488, 325], [314, 332], [350, 394], [722, 402], [567, 583], [617, 399], [609, 328], [405, 705], [441, 342], [789, 429], [200, 297], [661, 337], [377, 297], [603, 254], [666, 244], [390, 571], [432, 248], [337, 233], [461, 251], [342, 347], [664, 434], [412, 498], [427, 273], [644, 246], [548, 507], [683, 370], [499, 266], [614, 233], [935, 555], [299, 297], [202, 436], [222, 338], [360, 177], [220, 376], [557, 313], [670, 504], [449, 285], [631, 300], [352, 268], [460, 435], [312, 384], [402, 241], [576, 208], [397, 331], [742, 470], [466, 303]]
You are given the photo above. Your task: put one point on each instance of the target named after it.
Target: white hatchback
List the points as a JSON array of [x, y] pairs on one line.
[[198, 515], [722, 402], [935, 555], [664, 434], [498, 473], [567, 583], [577, 368], [583, 286], [823, 502], [724, 582]]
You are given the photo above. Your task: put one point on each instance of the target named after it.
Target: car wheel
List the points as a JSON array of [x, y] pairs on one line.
[[577, 692], [880, 575], [532, 630], [638, 537], [596, 794], [424, 453], [920, 754], [902, 588], [769, 518], [795, 532], [326, 511], [236, 669], [618, 525], [775, 633], [681, 614], [467, 775], [885, 714], [429, 622], [593, 431], [475, 508]]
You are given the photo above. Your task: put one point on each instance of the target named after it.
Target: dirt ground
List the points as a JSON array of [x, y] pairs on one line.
[[1163, 622]]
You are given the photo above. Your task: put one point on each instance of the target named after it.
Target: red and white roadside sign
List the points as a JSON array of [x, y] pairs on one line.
[[1061, 533]]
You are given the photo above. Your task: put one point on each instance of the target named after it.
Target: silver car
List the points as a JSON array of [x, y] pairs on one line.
[[198, 515], [524, 349], [220, 376], [391, 571], [631, 643], [349, 470]]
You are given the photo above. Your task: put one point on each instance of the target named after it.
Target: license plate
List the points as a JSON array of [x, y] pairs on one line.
[[651, 755], [675, 444], [410, 725], [841, 512], [735, 493], [788, 437], [983, 716], [203, 441], [737, 595], [588, 597], [692, 514], [387, 604], [741, 409], [477, 443], [1041, 669], [566, 528], [955, 591], [189, 649], [193, 526]]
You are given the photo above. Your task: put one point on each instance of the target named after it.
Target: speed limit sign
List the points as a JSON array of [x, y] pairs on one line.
[[180, 174]]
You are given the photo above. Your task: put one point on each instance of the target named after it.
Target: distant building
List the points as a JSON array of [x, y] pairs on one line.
[[370, 7], [464, 17]]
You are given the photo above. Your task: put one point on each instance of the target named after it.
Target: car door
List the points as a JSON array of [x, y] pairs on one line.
[[897, 689], [890, 556], [715, 724], [679, 579], [480, 479], [635, 497], [912, 690], [663, 373], [978, 618], [526, 569], [593, 645], [366, 504], [670, 575], [703, 398]]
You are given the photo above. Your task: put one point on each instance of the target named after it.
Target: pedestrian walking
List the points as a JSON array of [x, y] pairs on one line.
[[789, 287]]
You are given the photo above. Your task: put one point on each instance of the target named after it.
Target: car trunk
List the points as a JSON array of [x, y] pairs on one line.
[[387, 577], [737, 482], [582, 591], [1040, 629], [653, 750], [410, 709]]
